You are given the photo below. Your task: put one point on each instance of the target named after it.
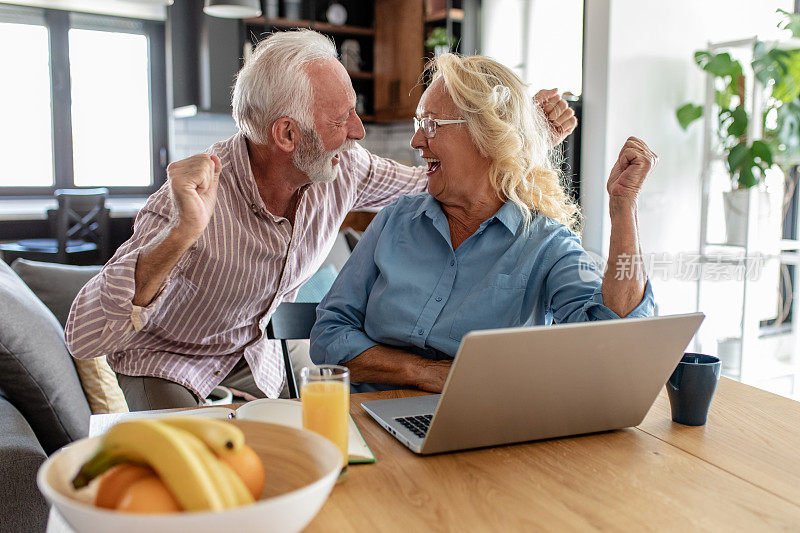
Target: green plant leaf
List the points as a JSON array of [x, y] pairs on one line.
[[718, 64], [723, 98], [738, 126], [791, 22], [746, 177], [762, 151], [742, 163], [438, 37], [688, 113], [769, 64], [737, 156], [787, 88]]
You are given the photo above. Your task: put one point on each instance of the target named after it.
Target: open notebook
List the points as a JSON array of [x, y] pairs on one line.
[[284, 412]]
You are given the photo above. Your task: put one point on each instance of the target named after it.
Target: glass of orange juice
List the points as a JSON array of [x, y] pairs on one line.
[[325, 395]]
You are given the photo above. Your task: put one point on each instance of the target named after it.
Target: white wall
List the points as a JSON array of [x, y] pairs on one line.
[[639, 68], [502, 25]]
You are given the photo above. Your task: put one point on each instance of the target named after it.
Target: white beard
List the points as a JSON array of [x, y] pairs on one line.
[[314, 161]]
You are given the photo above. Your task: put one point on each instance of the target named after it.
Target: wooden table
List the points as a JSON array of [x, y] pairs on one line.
[[739, 472]]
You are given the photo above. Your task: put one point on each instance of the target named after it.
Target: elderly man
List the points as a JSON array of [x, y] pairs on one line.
[[181, 306]]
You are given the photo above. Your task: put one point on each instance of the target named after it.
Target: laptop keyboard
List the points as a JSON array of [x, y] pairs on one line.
[[418, 424]]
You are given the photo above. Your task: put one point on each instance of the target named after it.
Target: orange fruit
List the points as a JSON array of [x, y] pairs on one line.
[[148, 495], [249, 467], [116, 480]]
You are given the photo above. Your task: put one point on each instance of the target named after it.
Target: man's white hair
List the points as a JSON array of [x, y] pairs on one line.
[[273, 82]]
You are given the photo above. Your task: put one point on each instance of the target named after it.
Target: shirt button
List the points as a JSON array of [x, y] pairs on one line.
[[217, 372], [254, 207], [421, 331], [438, 298], [452, 263]]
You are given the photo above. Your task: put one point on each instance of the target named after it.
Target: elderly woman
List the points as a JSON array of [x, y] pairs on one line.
[[490, 245]]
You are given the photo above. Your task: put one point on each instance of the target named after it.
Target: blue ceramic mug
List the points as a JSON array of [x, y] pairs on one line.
[[691, 388]]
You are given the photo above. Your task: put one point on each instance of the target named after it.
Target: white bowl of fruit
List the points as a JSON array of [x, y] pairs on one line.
[[191, 474]]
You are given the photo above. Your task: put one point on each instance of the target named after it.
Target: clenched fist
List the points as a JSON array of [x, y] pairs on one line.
[[560, 118], [634, 164], [194, 182]]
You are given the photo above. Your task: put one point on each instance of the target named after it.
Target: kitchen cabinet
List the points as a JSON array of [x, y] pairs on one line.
[[461, 21], [203, 55], [388, 36]]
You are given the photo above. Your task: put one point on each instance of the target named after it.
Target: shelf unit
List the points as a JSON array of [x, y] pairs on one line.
[[442, 15], [461, 21], [751, 368], [389, 34], [323, 27]]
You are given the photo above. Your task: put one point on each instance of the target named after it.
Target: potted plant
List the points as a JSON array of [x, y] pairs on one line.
[[776, 67], [439, 42]]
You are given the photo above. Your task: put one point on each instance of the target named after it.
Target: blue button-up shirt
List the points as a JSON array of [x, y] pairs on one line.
[[404, 286]]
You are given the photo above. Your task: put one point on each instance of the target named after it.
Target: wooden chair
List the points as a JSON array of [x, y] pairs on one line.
[[81, 226], [291, 321]]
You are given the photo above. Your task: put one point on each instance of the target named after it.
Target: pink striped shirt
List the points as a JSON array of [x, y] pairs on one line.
[[214, 305]]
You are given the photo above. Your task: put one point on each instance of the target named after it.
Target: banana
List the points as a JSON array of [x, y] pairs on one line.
[[222, 437], [232, 488], [181, 465]]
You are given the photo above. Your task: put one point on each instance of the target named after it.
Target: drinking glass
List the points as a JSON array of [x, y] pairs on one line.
[[325, 395]]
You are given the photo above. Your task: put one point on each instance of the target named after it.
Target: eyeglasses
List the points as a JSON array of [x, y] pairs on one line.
[[429, 124]]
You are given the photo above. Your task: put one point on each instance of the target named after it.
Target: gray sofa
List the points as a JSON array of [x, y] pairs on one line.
[[42, 404]]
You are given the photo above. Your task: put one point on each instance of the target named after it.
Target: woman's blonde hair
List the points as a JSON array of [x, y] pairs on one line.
[[511, 130]]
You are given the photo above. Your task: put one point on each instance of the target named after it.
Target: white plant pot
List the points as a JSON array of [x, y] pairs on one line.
[[767, 230], [441, 50], [729, 351]]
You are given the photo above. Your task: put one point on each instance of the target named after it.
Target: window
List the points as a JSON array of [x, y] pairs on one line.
[[85, 100], [26, 134]]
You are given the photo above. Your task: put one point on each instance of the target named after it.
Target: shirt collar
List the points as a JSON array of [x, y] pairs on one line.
[[243, 173], [508, 214], [429, 206]]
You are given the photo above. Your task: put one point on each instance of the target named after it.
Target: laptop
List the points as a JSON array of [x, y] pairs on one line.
[[522, 384]]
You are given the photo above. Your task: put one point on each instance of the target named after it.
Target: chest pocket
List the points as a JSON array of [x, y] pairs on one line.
[[495, 305]]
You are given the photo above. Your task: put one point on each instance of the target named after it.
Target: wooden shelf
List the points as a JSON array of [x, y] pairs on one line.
[[438, 16], [392, 41], [319, 26], [344, 30], [280, 22], [359, 75]]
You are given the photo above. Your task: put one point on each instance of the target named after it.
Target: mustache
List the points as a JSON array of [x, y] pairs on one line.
[[348, 145]]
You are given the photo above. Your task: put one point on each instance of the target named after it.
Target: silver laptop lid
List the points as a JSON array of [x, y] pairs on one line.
[[521, 384]]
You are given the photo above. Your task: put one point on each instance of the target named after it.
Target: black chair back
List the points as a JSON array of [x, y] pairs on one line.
[[291, 321], [82, 215]]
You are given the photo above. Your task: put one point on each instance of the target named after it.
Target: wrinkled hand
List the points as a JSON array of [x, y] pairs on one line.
[[560, 118], [634, 164], [194, 182], [433, 375]]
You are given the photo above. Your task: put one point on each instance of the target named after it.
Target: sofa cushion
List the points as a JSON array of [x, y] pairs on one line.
[[100, 386], [37, 375], [22, 507], [56, 286]]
